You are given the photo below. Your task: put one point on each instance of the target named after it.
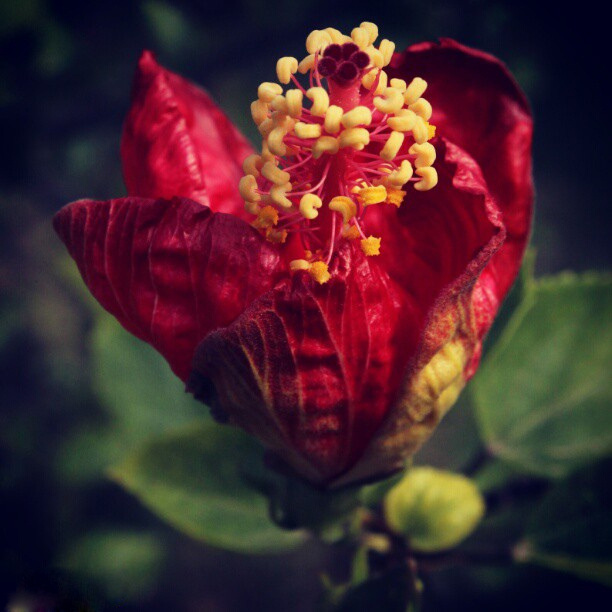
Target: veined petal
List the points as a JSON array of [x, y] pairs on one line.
[[311, 369], [169, 270], [177, 142], [478, 105]]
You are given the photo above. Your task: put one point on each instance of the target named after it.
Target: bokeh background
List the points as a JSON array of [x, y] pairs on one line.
[[76, 391]]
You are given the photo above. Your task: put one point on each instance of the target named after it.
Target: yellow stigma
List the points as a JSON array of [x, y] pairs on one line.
[[371, 246], [318, 271], [395, 196], [372, 195], [266, 217]]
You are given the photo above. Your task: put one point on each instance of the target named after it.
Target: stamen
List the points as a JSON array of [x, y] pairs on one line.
[[373, 136]]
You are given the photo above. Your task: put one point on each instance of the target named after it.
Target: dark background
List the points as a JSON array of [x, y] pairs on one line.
[[65, 76]]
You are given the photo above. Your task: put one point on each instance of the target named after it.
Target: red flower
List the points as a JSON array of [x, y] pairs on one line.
[[342, 323]]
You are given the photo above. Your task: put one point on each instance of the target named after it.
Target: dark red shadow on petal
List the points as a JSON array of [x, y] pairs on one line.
[[169, 270], [478, 105], [177, 142]]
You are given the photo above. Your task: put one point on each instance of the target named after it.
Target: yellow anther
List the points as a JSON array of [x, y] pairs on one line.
[[306, 64], [275, 141], [251, 207], [395, 196], [294, 99], [333, 117], [369, 79], [252, 164], [372, 30], [319, 272], [403, 121], [392, 146], [277, 193], [274, 174], [276, 236], [360, 115], [285, 67], [431, 131], [309, 204], [419, 130], [402, 175], [357, 138], [390, 102], [336, 36], [279, 104], [266, 126], [259, 111], [307, 130], [248, 188], [320, 101], [266, 155], [361, 37], [350, 232], [282, 120], [266, 92], [422, 108], [299, 264], [371, 246], [415, 90], [398, 84], [345, 206], [387, 48], [426, 154], [317, 41], [372, 195], [325, 144], [429, 179], [266, 217], [376, 57]]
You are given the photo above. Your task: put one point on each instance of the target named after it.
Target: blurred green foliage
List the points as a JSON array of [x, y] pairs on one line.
[[80, 395]]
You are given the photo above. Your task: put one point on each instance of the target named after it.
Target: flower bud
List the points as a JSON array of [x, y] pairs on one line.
[[435, 509]]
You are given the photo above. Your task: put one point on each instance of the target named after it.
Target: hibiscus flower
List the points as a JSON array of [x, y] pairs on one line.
[[331, 293]]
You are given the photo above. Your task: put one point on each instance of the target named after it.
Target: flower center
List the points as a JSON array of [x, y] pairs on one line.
[[347, 140]]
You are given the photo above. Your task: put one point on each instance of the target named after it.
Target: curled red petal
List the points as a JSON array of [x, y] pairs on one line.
[[478, 105], [169, 270], [312, 369], [315, 371], [177, 142]]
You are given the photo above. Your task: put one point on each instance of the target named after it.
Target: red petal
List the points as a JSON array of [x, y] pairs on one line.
[[478, 106], [314, 370], [177, 142], [170, 271]]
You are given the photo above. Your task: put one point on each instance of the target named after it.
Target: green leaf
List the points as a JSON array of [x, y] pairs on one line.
[[198, 481], [126, 565], [571, 530], [141, 395], [543, 395], [136, 383]]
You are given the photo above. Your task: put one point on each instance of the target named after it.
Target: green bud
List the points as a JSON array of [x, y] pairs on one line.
[[435, 509]]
